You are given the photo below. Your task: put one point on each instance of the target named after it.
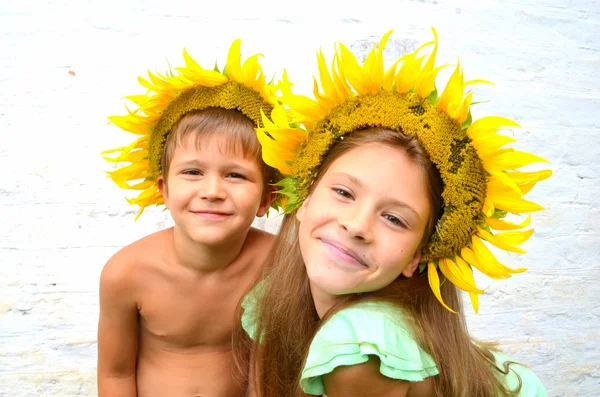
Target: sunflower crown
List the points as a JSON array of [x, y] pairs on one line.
[[168, 98], [481, 184]]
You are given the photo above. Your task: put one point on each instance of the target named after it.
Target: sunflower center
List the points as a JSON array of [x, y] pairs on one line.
[[232, 95], [442, 137]]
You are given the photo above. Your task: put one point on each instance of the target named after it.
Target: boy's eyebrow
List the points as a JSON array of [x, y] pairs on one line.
[[197, 162]]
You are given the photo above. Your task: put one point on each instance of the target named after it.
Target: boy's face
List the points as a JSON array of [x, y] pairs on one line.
[[213, 195]]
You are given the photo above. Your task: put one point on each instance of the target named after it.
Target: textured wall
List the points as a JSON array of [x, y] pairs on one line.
[[65, 64]]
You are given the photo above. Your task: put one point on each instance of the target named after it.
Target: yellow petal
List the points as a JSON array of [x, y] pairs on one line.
[[528, 177], [488, 125], [468, 275], [497, 273], [378, 68], [499, 224], [341, 85], [434, 283], [454, 91], [252, 70], [488, 206], [514, 238], [516, 205], [348, 64], [511, 160], [455, 275], [409, 73], [326, 81], [462, 112], [280, 117], [430, 64], [234, 67], [484, 255], [488, 144], [502, 178], [388, 78], [426, 83], [305, 106], [132, 123], [487, 236]]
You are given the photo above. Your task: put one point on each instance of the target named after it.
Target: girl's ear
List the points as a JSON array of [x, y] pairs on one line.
[[410, 269], [300, 212]]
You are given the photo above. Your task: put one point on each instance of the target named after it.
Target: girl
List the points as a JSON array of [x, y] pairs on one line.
[[390, 182]]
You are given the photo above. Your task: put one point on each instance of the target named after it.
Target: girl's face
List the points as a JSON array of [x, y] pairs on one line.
[[362, 225]]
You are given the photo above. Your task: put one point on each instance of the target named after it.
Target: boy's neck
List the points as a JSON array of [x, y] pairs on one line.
[[203, 258]]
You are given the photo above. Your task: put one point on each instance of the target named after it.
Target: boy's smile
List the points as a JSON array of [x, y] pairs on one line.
[[214, 191]]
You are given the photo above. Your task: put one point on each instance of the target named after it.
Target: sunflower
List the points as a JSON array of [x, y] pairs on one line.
[[481, 181], [168, 98]]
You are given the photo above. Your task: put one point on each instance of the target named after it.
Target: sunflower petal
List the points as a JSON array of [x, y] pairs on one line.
[[434, 283], [234, 59], [488, 125], [516, 205], [497, 273], [455, 275], [468, 275], [511, 160], [454, 91], [484, 255], [490, 238], [500, 224], [528, 177]]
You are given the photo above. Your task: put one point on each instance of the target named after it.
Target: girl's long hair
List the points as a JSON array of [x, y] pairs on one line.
[[287, 320]]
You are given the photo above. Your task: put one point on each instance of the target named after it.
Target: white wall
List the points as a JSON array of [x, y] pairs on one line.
[[61, 218]]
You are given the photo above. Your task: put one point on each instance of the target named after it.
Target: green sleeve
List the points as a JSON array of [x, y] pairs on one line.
[[531, 385], [354, 333], [249, 305]]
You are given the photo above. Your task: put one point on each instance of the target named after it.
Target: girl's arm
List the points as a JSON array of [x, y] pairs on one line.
[[363, 380]]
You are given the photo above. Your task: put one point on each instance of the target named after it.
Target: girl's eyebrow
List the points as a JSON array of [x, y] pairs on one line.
[[392, 201], [400, 203], [353, 179]]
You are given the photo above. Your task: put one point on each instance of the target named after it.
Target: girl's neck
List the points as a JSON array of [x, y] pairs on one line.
[[323, 301]]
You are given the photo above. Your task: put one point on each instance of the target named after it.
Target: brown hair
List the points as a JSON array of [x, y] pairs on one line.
[[231, 124], [287, 319]]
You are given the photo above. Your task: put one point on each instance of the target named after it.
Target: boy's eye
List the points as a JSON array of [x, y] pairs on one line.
[[192, 172], [343, 193], [236, 175], [396, 221]]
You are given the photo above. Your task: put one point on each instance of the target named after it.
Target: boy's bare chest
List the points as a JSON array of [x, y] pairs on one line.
[[190, 314]]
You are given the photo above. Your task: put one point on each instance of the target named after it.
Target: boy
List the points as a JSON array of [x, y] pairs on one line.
[[167, 301]]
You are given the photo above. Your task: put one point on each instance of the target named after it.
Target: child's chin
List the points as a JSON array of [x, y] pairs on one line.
[[339, 287]]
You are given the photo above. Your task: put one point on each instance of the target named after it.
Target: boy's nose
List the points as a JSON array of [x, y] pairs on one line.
[[213, 189]]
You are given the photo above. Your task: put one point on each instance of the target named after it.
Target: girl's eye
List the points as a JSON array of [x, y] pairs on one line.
[[192, 172], [236, 175], [343, 193], [396, 221]]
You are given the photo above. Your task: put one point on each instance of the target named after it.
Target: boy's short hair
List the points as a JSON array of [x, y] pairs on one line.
[[232, 124]]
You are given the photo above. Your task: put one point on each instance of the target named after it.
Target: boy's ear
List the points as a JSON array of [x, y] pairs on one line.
[[410, 269], [162, 187], [266, 202]]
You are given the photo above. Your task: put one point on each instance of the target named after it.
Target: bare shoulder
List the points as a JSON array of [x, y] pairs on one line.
[[122, 268], [259, 240], [363, 380]]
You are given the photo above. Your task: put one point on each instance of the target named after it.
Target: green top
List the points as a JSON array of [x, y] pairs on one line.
[[380, 329]]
